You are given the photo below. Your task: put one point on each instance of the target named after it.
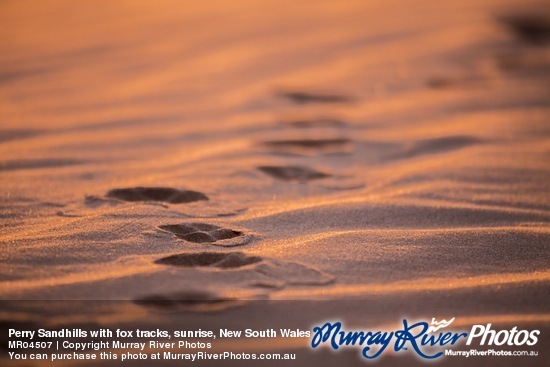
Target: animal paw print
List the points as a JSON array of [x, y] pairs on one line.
[[165, 194], [207, 233], [293, 173]]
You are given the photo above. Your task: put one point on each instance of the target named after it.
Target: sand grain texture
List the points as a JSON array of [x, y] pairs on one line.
[[200, 157]]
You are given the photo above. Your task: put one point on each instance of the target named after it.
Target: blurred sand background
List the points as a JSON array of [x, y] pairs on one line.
[[382, 152]]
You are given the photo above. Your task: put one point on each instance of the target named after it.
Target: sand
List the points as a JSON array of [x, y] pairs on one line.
[[288, 161]]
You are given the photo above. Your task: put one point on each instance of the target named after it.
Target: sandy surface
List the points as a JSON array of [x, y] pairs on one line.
[[378, 152]]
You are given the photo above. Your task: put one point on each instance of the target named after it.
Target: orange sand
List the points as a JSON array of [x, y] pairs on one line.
[[357, 150]]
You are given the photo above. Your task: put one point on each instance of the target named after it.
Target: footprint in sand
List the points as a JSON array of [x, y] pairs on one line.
[[335, 145], [281, 271], [164, 194], [532, 33], [442, 82], [315, 123], [192, 300], [222, 260], [531, 29], [306, 97], [293, 173], [434, 146], [208, 233]]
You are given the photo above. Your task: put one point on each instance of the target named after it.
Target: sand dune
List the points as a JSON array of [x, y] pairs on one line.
[[300, 160]]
